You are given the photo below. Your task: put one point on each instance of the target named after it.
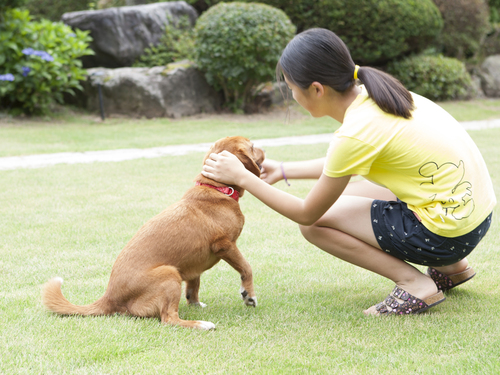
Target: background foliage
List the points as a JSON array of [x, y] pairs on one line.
[[494, 10], [54, 9], [176, 44], [43, 59], [238, 46], [376, 31], [466, 24], [435, 77]]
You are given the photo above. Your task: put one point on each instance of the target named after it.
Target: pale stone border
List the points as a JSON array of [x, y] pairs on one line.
[[46, 160]]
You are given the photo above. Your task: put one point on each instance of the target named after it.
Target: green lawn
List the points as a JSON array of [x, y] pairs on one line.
[[72, 221], [69, 131]]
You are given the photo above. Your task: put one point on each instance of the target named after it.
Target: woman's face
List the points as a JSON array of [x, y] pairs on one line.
[[305, 98]]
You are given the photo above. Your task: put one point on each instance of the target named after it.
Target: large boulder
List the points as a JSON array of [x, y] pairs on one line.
[[120, 35], [175, 90], [490, 76]]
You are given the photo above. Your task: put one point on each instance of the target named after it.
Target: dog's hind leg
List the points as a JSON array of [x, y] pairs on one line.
[[168, 289], [192, 288], [229, 252]]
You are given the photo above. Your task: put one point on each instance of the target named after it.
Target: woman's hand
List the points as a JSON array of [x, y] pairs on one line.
[[271, 171], [224, 167]]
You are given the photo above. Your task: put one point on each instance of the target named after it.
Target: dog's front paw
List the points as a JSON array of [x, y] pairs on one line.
[[249, 301], [198, 304]]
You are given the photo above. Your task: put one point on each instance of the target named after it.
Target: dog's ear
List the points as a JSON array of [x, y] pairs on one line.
[[248, 162], [239, 146]]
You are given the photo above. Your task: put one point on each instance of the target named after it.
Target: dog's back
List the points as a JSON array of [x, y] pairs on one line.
[[181, 236]]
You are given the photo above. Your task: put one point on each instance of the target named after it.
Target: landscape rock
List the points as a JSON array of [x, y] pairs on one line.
[[490, 76], [120, 35], [175, 90], [475, 91]]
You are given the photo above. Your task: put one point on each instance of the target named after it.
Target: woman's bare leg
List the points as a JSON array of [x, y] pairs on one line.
[[345, 231], [454, 268], [364, 188]]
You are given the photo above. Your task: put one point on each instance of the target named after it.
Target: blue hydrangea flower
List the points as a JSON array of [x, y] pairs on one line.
[[26, 70], [6, 77], [42, 54], [28, 51]]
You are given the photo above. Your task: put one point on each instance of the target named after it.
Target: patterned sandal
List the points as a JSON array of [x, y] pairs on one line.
[[410, 305], [446, 282]]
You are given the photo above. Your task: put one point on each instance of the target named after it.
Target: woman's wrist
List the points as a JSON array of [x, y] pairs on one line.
[[246, 179], [283, 173]]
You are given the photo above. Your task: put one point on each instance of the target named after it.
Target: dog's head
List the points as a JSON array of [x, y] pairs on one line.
[[251, 156]]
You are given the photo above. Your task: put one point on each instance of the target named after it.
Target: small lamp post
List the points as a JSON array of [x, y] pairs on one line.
[[98, 81]]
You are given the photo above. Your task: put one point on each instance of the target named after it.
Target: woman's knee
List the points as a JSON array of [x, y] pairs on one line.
[[306, 231], [310, 232]]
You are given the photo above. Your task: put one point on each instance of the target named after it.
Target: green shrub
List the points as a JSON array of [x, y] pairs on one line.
[[6, 4], [491, 44], [176, 44], [103, 4], [435, 77], [494, 11], [54, 9], [466, 24], [39, 62], [202, 5], [376, 31], [238, 46]]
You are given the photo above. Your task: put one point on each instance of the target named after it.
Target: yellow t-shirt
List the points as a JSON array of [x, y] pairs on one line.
[[428, 162]]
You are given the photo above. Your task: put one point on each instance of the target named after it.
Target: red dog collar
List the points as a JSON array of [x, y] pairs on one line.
[[229, 191]]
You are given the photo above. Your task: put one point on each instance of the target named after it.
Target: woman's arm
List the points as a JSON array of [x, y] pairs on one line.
[[272, 172], [226, 168]]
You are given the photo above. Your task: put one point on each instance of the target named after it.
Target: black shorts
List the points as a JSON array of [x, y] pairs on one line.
[[402, 235]]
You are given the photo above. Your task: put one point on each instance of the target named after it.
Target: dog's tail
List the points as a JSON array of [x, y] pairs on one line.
[[54, 301]]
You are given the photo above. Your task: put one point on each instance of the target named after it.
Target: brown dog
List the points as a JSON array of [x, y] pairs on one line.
[[177, 245]]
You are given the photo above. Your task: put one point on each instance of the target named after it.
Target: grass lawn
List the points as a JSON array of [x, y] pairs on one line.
[[73, 220], [68, 131]]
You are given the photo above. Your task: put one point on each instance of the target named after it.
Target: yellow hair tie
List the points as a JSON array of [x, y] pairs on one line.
[[356, 72]]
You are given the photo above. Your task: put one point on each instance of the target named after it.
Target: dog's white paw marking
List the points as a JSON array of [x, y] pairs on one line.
[[249, 301], [205, 325], [199, 304]]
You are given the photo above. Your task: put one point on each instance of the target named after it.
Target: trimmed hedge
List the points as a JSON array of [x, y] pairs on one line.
[[238, 45], [466, 24], [376, 31], [435, 77]]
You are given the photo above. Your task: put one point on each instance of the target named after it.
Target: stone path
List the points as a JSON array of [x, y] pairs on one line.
[[46, 160]]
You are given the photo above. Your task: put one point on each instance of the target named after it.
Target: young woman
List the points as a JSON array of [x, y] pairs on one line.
[[427, 197]]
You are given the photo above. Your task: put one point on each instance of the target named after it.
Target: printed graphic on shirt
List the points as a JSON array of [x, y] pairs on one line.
[[458, 202]]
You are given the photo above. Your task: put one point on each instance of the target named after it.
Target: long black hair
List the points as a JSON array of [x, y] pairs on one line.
[[319, 55]]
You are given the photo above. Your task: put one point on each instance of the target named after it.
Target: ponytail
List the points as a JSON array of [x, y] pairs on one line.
[[319, 55], [385, 90]]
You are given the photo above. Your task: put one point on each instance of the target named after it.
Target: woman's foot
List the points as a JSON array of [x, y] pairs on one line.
[[423, 289], [447, 282]]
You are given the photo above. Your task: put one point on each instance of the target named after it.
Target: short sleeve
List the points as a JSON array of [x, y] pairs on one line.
[[348, 156]]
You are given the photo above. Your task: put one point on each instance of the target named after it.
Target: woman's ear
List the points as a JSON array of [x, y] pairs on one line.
[[318, 89]]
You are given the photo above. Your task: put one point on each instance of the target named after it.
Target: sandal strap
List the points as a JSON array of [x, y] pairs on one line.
[[442, 281], [447, 282], [410, 304]]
